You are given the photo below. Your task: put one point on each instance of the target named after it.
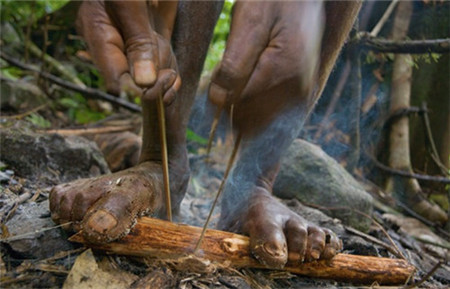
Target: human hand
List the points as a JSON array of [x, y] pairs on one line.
[[270, 61], [126, 43]]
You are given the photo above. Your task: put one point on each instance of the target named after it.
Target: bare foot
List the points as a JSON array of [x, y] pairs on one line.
[[107, 207], [278, 235]]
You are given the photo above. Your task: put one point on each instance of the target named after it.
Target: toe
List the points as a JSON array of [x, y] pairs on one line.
[[268, 245], [110, 218], [297, 238], [316, 243], [332, 246]]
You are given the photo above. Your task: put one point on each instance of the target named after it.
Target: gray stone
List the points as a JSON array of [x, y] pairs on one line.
[[308, 174], [50, 158], [20, 95], [33, 234]]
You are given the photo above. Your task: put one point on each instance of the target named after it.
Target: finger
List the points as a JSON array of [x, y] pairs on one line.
[[249, 36], [166, 79], [104, 42], [297, 239], [171, 93], [140, 41]]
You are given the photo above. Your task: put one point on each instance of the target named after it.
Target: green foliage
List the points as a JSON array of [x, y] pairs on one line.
[[38, 120], [220, 36], [425, 58], [78, 109], [192, 136], [11, 72], [21, 12]]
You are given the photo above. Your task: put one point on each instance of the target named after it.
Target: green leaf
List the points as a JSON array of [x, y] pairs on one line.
[[192, 136], [38, 120]]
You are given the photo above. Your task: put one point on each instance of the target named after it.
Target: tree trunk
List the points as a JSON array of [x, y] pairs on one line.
[[406, 190]]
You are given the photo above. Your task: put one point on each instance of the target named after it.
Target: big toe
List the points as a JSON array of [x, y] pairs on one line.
[[268, 245], [110, 218]]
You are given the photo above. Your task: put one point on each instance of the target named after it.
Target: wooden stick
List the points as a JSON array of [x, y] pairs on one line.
[[161, 239], [219, 191], [164, 158], [212, 131]]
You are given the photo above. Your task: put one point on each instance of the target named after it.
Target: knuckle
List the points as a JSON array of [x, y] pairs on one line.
[[229, 73]]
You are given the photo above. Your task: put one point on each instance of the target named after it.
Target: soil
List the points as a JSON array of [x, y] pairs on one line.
[[35, 252]]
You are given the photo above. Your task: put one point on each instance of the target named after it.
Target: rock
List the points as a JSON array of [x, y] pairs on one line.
[[308, 174], [50, 158], [32, 233], [20, 95]]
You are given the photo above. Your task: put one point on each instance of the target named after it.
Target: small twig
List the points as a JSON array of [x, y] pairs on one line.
[[219, 192], [21, 236], [27, 113], [383, 18], [89, 130], [87, 91], [164, 155], [406, 174], [212, 131], [372, 239], [10, 207], [432, 146], [426, 277], [402, 46], [34, 49]]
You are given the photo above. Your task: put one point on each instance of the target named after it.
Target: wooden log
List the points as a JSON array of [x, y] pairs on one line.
[[161, 239]]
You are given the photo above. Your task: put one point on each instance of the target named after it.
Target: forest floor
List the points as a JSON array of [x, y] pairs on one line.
[[35, 252]]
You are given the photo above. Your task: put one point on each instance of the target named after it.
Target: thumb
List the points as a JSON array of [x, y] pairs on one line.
[[140, 40]]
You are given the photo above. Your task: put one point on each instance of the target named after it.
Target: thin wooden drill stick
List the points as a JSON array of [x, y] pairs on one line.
[[165, 160], [212, 132], [222, 184]]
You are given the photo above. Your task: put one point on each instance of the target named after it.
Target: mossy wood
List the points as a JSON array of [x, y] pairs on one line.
[[161, 239]]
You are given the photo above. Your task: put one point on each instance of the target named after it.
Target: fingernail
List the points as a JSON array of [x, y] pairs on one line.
[[144, 72], [217, 94], [101, 222]]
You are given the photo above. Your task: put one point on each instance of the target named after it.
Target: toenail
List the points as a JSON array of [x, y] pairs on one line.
[[101, 221], [315, 254], [274, 250]]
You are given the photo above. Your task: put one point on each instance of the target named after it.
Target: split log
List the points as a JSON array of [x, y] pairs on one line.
[[161, 239]]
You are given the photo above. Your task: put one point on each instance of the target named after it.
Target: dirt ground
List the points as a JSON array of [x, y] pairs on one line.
[[35, 252]]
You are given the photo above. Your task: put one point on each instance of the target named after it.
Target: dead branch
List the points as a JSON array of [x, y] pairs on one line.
[[90, 130], [88, 91], [401, 112], [405, 46], [430, 141], [407, 174], [161, 239]]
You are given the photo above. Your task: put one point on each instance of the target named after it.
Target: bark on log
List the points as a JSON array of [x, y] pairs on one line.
[[161, 239]]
